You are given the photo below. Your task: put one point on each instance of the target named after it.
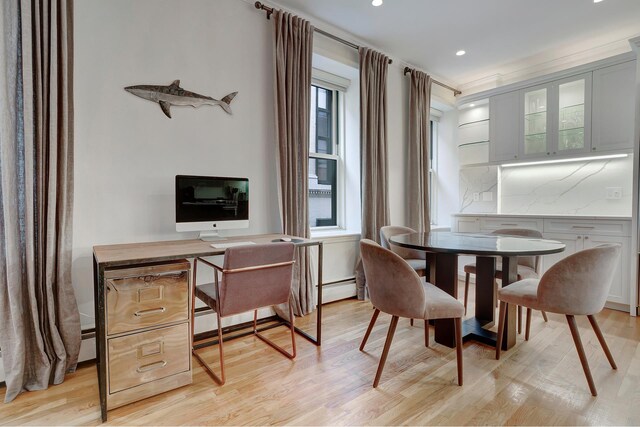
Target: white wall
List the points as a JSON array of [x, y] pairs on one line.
[[127, 152]]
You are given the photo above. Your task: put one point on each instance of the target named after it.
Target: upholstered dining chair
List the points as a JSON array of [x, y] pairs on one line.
[[252, 277], [395, 288], [574, 286], [418, 260], [528, 267]]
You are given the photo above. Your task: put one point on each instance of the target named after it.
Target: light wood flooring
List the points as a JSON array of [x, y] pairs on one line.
[[538, 382]]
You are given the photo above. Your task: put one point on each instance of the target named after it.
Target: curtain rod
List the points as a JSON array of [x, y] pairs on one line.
[[454, 90], [269, 11]]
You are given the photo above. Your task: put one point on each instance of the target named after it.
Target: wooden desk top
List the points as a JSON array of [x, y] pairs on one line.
[[136, 253]]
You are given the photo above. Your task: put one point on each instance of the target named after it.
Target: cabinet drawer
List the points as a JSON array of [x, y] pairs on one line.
[[595, 227], [147, 356], [146, 296], [492, 224]]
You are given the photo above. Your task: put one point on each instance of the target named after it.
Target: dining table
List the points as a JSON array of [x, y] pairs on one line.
[[446, 246]]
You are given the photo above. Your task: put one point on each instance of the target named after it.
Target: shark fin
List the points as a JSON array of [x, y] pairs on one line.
[[176, 83], [166, 108], [226, 101]]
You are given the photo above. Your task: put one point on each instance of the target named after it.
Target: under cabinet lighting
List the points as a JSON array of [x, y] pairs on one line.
[[377, 2], [577, 159]]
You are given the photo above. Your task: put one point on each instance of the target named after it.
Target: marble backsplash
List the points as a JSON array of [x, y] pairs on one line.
[[574, 188]]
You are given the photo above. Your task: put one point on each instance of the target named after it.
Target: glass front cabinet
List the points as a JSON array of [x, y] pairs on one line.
[[556, 118]]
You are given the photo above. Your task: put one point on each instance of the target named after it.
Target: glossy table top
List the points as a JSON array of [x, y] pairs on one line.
[[477, 244]]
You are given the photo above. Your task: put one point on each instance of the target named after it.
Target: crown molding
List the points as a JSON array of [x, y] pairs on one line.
[[635, 44]]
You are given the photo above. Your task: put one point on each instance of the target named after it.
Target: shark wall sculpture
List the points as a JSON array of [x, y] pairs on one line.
[[173, 94]]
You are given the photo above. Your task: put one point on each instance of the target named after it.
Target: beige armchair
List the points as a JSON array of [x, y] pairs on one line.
[[576, 285], [396, 289]]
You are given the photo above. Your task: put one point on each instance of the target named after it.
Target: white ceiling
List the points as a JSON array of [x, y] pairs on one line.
[[500, 36]]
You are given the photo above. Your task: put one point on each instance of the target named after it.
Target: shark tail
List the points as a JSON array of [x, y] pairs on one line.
[[224, 102]]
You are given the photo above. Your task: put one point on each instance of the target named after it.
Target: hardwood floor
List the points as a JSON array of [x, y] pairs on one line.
[[537, 382]]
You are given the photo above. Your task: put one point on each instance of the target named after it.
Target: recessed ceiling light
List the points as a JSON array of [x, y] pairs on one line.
[[472, 105], [597, 1], [377, 2], [460, 52]]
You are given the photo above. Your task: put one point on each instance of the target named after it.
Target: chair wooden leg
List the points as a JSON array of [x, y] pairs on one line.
[[519, 319], [385, 350], [411, 321], [275, 346], [544, 316], [374, 317], [218, 379], [466, 291], [501, 318], [573, 326], [426, 332], [528, 325], [458, 332], [603, 343]]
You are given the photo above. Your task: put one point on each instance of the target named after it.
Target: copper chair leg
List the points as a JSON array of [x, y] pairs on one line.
[[466, 291], [528, 325], [374, 317], [603, 343], [583, 357], [385, 350], [501, 318], [544, 316], [426, 332], [458, 332], [291, 355], [221, 379]]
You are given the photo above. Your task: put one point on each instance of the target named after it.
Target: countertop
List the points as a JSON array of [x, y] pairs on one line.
[[577, 217]]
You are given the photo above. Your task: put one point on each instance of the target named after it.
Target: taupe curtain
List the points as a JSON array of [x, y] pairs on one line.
[[373, 150], [293, 38], [39, 320], [419, 141]]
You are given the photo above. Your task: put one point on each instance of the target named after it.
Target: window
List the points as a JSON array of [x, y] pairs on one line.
[[324, 157], [433, 166]]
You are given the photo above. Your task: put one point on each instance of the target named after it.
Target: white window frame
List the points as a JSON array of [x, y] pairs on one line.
[[324, 80]]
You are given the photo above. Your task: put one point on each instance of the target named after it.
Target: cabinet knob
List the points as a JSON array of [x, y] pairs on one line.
[[594, 148], [586, 237], [548, 153], [579, 237]]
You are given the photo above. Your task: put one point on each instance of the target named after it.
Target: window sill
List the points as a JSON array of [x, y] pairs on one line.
[[334, 232]]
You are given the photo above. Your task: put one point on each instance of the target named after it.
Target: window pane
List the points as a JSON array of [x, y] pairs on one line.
[[321, 122], [322, 192], [322, 98]]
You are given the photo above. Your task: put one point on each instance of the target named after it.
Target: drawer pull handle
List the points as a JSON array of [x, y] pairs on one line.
[[151, 366], [141, 313], [587, 227], [509, 224]]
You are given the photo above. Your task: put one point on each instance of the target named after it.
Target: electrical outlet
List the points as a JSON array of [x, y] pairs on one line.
[[476, 197], [487, 196], [614, 193]]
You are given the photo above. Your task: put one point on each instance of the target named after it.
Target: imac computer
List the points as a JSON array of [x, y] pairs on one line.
[[211, 203]]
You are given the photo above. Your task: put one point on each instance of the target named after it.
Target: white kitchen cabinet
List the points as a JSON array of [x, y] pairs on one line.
[[556, 118], [584, 234], [575, 232], [614, 107], [504, 127]]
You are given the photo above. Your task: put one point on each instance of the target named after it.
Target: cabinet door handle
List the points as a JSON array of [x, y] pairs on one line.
[[151, 366], [141, 313], [509, 224], [586, 237]]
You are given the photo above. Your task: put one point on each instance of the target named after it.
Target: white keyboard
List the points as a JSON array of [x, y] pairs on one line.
[[230, 244]]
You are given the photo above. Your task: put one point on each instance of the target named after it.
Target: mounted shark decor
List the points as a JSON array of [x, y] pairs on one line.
[[173, 94]]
